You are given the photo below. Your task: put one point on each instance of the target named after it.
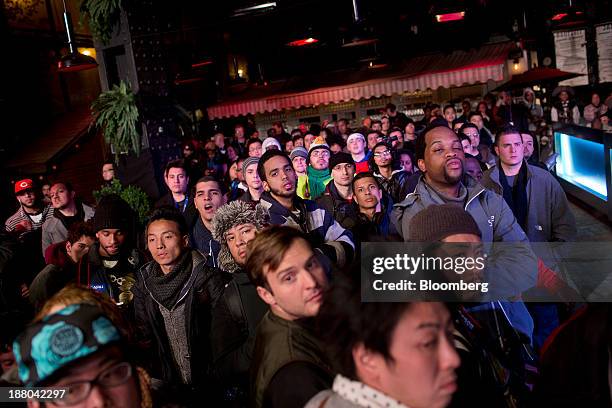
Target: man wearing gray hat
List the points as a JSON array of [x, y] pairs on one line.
[[252, 180]]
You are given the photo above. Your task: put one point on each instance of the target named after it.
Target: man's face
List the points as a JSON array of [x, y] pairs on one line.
[[366, 122], [450, 114], [108, 172], [506, 98], [299, 142], [443, 159], [239, 132], [386, 123], [319, 159], [406, 163], [472, 167], [477, 120], [343, 174], [60, 196], [208, 198], [409, 130], [595, 100], [119, 388], [165, 243], [219, 140], [277, 130], [510, 149], [110, 241], [79, 249], [289, 146], [527, 145], [299, 164], [356, 146], [308, 138], [466, 107], [255, 149], [46, 191], [564, 96], [252, 178], [280, 177], [366, 193], [187, 151], [297, 285], [382, 156], [422, 372], [335, 148], [529, 97], [377, 126], [372, 140], [177, 180], [473, 134], [237, 239], [342, 127], [467, 146], [27, 198]]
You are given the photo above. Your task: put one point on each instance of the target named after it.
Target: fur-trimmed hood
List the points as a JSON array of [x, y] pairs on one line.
[[227, 217]]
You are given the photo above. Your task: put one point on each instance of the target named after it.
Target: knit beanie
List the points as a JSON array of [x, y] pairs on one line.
[[112, 212], [354, 136], [270, 141], [340, 157], [437, 222], [229, 216], [298, 151], [247, 162], [318, 143]]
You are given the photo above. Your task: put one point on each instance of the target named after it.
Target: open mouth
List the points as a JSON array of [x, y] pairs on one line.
[[287, 186], [208, 207]]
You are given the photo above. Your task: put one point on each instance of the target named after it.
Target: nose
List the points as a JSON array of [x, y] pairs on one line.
[[308, 280], [449, 359], [96, 398]]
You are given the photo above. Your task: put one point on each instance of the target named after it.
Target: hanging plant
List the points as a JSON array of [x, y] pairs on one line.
[[116, 114], [102, 16], [136, 198]]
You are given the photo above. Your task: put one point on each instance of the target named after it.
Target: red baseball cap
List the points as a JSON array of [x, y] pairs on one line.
[[22, 185]]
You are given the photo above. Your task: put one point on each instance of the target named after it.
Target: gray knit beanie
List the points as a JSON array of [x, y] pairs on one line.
[[298, 151], [229, 216], [247, 162], [437, 222]]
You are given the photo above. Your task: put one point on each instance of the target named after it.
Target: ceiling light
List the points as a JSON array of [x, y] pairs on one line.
[[446, 17], [302, 42]]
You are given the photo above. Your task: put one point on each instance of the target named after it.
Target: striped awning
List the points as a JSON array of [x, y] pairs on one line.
[[421, 73]]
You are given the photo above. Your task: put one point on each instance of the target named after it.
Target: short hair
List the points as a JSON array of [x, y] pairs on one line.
[[467, 125], [268, 250], [376, 122], [66, 184], [343, 120], [378, 133], [80, 229], [363, 175], [168, 214], [447, 107], [108, 162], [278, 123], [391, 107], [463, 136], [507, 130], [208, 179], [251, 141], [175, 164], [267, 156], [421, 144], [472, 114], [344, 322]]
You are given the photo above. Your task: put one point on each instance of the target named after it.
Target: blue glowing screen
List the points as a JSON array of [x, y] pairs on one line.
[[582, 163]]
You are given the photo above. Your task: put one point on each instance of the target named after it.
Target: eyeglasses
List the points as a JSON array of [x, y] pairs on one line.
[[383, 153], [322, 154], [79, 391]]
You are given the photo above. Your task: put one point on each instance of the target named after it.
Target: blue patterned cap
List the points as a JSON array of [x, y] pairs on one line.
[[72, 333]]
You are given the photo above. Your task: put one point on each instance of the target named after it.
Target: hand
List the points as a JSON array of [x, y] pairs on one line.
[[23, 226]]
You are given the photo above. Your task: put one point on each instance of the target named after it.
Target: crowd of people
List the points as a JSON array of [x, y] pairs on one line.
[[243, 287]]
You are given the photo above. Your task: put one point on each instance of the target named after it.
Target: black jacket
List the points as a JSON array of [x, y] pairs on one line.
[[201, 292], [380, 228], [189, 212], [394, 185], [342, 210]]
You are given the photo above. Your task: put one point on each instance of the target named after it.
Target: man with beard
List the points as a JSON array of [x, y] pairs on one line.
[[440, 158], [318, 168], [111, 264], [392, 181], [286, 208], [31, 214], [67, 210], [208, 196]]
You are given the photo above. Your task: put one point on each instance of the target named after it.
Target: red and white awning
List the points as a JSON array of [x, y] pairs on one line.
[[459, 68]]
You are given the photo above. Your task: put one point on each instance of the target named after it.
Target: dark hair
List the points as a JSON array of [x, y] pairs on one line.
[[268, 250], [467, 125], [208, 179], [370, 132], [80, 229], [372, 163], [175, 164], [267, 156], [362, 175], [328, 133], [421, 145], [391, 107], [278, 123], [271, 132], [251, 141], [108, 162], [168, 214], [66, 184], [376, 122], [407, 121], [463, 136], [344, 322], [472, 114], [507, 130], [449, 106], [343, 120], [336, 140]]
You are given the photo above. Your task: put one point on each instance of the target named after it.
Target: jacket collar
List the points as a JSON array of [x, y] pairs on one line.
[[494, 175], [424, 192]]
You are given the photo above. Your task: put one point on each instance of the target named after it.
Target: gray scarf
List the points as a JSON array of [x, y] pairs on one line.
[[166, 288]]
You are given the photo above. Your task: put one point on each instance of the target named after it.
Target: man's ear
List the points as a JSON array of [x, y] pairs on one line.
[[496, 150], [367, 363], [421, 165], [186, 240], [68, 247], [266, 295], [265, 185]]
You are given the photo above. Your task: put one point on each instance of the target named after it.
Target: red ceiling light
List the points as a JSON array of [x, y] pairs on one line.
[[201, 64], [559, 16], [302, 42], [446, 17]]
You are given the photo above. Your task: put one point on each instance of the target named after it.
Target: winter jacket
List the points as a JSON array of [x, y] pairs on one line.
[[496, 223], [116, 282], [247, 198], [379, 227], [324, 232], [53, 230], [283, 348], [189, 211], [550, 217], [202, 240], [200, 294], [343, 211], [234, 322], [394, 185]]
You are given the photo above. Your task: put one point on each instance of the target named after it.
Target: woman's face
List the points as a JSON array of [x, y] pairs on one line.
[[406, 163]]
